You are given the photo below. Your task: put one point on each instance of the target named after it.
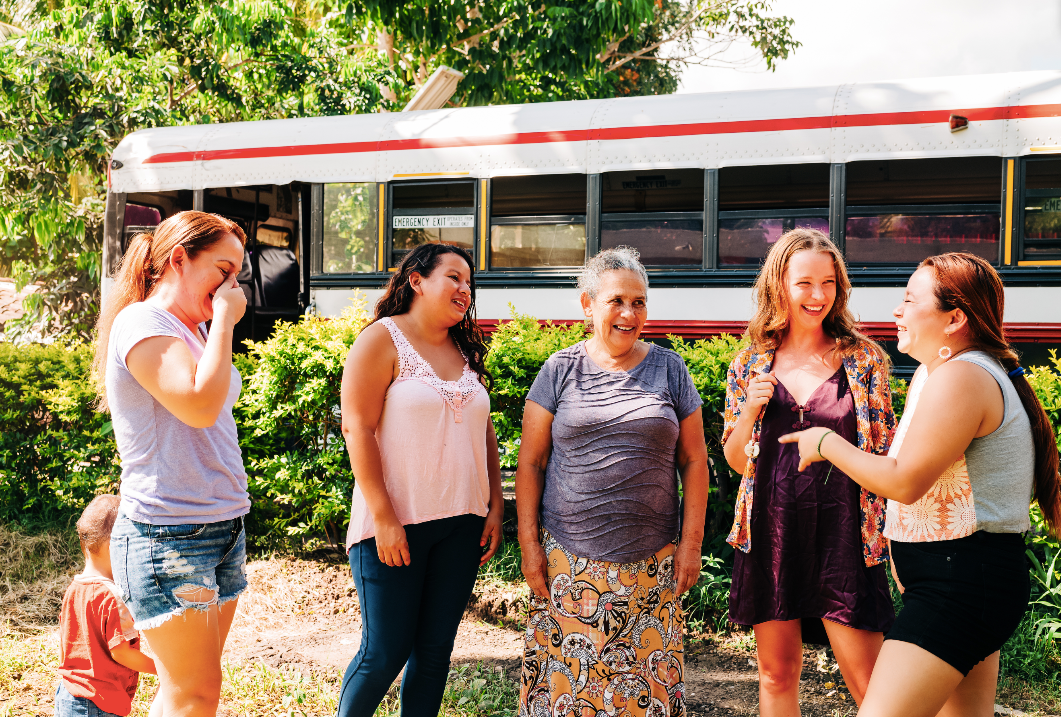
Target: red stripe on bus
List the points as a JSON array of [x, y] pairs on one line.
[[620, 133]]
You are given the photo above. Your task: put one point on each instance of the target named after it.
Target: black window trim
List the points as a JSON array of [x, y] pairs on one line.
[[648, 216], [531, 220]]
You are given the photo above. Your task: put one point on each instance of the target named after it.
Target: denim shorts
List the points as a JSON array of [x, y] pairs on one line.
[[67, 705], [164, 570]]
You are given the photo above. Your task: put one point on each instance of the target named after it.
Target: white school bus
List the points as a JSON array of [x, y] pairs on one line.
[[700, 184]]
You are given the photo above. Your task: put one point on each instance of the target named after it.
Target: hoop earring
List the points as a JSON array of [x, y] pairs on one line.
[[944, 352]]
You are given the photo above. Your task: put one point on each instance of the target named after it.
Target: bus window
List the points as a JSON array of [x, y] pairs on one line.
[[538, 221], [902, 211], [1042, 209], [350, 235], [423, 212], [758, 204], [139, 219], [659, 212]]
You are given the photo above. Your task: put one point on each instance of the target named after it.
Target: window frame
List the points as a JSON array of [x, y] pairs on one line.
[[529, 221], [808, 212], [923, 210], [1021, 194], [659, 216], [389, 264]]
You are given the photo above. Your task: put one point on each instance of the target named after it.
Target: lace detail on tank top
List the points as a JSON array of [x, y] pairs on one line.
[[413, 366]]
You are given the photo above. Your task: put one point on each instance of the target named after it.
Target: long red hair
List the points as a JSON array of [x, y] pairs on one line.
[[144, 264], [967, 282]]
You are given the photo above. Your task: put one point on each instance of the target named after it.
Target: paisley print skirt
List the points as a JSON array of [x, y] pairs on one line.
[[608, 640]]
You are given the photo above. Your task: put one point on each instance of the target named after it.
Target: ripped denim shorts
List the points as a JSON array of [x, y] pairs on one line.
[[163, 570]]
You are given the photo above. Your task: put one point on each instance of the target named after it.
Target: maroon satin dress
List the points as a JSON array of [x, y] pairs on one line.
[[806, 532]]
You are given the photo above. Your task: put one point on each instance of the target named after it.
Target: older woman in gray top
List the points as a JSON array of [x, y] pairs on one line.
[[609, 425]]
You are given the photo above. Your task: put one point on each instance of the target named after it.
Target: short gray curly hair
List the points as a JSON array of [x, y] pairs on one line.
[[621, 257]]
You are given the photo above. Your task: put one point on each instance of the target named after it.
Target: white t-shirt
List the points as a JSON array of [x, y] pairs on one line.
[[172, 474]]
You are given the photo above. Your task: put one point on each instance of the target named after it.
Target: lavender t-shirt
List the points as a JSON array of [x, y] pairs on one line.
[[611, 490], [172, 474]]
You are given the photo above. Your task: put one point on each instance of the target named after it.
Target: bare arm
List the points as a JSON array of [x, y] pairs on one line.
[[492, 527], [959, 402], [536, 443], [691, 459], [760, 391], [128, 656], [193, 392], [370, 369]]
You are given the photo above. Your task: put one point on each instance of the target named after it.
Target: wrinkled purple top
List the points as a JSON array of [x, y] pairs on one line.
[[806, 557], [611, 491]]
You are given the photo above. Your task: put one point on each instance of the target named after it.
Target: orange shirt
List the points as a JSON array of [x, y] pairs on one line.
[[93, 621]]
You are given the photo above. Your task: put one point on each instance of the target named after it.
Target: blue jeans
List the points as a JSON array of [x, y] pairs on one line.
[[164, 570], [66, 705], [410, 615]]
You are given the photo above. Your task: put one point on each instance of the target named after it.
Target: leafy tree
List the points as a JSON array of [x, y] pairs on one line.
[[87, 72], [84, 76], [515, 51]]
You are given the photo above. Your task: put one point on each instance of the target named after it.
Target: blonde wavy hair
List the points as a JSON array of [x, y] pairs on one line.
[[770, 322]]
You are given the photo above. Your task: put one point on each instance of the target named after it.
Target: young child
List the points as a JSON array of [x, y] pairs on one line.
[[101, 658]]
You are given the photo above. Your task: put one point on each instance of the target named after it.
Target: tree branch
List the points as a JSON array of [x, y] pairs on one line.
[[682, 29]]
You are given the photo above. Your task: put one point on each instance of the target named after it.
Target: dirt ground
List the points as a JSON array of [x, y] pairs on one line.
[[304, 614]]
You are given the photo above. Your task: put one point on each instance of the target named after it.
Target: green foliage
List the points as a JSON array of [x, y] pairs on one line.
[[505, 566], [92, 71], [516, 51], [349, 214], [899, 390], [708, 361], [707, 603], [1046, 380], [480, 689], [298, 471], [518, 349], [88, 72], [56, 451], [1027, 656]]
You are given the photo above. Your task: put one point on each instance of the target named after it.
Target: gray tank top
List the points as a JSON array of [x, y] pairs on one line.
[[1002, 463], [988, 488]]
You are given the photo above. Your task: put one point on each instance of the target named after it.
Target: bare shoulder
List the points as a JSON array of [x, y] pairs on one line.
[[962, 383], [373, 345]]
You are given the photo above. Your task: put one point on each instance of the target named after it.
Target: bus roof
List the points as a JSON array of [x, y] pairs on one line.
[[1008, 114]]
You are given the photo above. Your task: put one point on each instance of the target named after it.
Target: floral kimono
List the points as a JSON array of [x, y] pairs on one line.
[[867, 376]]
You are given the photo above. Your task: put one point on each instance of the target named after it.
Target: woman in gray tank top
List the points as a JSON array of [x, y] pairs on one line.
[[973, 448]]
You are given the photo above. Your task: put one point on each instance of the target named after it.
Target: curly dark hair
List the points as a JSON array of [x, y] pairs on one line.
[[398, 297]]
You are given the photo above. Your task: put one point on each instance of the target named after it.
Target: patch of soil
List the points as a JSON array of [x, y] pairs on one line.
[[304, 615]]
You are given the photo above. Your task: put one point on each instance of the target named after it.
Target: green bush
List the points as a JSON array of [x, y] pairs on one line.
[[518, 349], [56, 451], [299, 474]]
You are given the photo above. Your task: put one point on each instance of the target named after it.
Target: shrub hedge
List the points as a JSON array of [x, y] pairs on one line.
[[56, 450]]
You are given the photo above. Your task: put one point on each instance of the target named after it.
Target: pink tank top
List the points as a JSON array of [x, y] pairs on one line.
[[432, 441]]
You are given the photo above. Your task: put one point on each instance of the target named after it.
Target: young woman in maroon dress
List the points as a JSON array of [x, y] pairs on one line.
[[810, 549]]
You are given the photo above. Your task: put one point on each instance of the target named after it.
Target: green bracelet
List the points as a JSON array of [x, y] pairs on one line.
[[830, 471], [820, 443]]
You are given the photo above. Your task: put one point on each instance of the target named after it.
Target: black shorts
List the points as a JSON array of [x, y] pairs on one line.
[[964, 598]]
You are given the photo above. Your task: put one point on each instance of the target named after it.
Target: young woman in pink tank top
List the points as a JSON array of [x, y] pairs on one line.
[[427, 503]]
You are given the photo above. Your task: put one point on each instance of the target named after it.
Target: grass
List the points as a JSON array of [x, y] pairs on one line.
[[505, 565], [34, 573], [477, 690]]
